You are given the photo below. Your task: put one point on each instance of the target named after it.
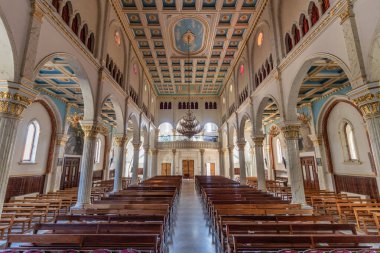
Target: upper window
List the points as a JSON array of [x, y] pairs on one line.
[[31, 142], [260, 39], [350, 141], [278, 151], [97, 150]]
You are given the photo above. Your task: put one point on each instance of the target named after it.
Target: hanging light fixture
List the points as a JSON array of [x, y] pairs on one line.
[[188, 124]]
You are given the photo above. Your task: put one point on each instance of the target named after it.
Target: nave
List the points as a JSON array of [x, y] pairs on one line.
[[167, 214]]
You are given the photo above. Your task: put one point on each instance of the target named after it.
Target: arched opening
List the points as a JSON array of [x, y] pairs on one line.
[[66, 13], [288, 43], [7, 63], [75, 24], [31, 142], [314, 13]]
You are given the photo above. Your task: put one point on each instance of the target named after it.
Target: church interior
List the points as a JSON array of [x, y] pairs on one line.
[[180, 126]]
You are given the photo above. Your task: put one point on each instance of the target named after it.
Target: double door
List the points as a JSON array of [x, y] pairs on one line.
[[70, 173], [310, 174], [166, 169], [188, 168]]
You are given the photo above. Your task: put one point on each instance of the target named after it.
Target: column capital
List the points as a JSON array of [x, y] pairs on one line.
[[62, 140], [241, 144], [91, 129], [291, 131], [202, 151], [136, 146], [258, 140], [120, 140], [367, 99], [154, 151], [14, 98], [316, 139], [174, 151], [230, 149], [146, 148]]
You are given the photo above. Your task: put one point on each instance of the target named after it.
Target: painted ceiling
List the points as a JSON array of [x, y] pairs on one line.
[[58, 79], [218, 29], [324, 78]]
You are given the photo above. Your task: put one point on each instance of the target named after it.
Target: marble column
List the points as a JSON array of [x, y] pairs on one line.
[[91, 130], [58, 162], [119, 163], [253, 172], [325, 178], [203, 172], [291, 134], [258, 141], [145, 165], [154, 162], [173, 164], [243, 174], [231, 160], [221, 162], [367, 98], [14, 98], [135, 165]]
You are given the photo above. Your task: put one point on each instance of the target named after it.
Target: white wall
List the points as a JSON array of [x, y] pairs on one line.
[[339, 113], [34, 112]]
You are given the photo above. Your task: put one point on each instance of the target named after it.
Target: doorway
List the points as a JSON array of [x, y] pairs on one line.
[[310, 175], [166, 169], [210, 169], [188, 169], [70, 173]]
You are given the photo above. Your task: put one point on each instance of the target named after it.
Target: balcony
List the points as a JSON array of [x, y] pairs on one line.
[[182, 142]]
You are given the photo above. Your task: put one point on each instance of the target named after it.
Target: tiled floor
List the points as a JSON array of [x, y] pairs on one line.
[[190, 233]]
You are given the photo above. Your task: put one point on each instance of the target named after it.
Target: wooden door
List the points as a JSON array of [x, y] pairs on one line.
[[212, 169], [166, 169], [70, 173], [310, 174], [188, 168]]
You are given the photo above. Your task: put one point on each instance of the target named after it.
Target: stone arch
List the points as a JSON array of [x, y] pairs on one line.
[[8, 63], [291, 100], [80, 73], [118, 112], [246, 117], [373, 60], [258, 122], [133, 124], [53, 111]]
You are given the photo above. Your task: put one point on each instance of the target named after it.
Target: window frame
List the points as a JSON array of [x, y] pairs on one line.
[[347, 146], [34, 142], [98, 149]]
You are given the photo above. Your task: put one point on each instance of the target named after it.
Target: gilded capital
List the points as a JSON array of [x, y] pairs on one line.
[[367, 99], [14, 98], [92, 129], [291, 132], [258, 140], [62, 140], [120, 140]]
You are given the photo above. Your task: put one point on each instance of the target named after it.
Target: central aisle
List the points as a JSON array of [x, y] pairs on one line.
[[190, 233]]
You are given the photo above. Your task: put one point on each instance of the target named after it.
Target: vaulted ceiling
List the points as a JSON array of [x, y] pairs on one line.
[[217, 28]]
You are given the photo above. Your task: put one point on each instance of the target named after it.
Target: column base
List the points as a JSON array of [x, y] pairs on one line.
[[79, 206]]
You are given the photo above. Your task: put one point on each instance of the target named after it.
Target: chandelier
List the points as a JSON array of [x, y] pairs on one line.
[[188, 124]]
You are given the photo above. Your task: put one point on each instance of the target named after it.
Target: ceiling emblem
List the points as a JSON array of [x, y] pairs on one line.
[[194, 30]]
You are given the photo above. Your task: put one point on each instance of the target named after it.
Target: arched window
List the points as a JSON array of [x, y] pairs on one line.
[[271, 62], [97, 150], [325, 5], [350, 141], [214, 105], [288, 43], [56, 4], [210, 105], [75, 24], [184, 105], [196, 105], [278, 151], [91, 43], [161, 105], [296, 35], [206, 105], [83, 34], [304, 24], [314, 14], [170, 105], [165, 105], [179, 105], [66, 13], [30, 148], [192, 105]]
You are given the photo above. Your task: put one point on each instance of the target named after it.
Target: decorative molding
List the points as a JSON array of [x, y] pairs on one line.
[[291, 132], [188, 145]]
